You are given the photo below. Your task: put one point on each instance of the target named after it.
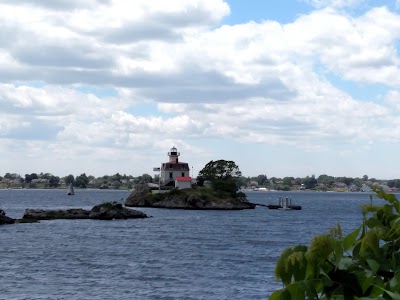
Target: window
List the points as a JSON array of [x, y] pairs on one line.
[[183, 174], [170, 175]]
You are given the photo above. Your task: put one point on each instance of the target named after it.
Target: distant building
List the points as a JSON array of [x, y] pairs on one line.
[[183, 182], [353, 188], [174, 169], [365, 188]]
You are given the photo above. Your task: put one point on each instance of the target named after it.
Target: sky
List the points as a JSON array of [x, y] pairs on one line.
[[282, 88]]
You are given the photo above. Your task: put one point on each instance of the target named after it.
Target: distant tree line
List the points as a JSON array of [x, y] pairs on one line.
[[48, 180], [220, 168], [322, 182]]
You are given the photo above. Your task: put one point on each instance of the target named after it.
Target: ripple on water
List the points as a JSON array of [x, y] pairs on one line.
[[177, 254]]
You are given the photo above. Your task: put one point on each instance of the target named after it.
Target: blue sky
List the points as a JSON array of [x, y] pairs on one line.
[[283, 88], [284, 11]]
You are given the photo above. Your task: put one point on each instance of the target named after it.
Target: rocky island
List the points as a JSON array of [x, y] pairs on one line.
[[197, 198], [105, 211], [4, 219]]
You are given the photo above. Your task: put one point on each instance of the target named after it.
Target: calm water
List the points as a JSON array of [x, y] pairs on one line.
[[177, 254]]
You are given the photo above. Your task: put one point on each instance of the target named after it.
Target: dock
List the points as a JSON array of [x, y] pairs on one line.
[[283, 204]]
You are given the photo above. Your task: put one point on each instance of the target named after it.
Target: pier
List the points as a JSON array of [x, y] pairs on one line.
[[283, 204]]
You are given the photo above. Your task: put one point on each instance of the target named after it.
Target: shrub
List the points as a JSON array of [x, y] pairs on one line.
[[111, 205], [364, 264], [174, 192]]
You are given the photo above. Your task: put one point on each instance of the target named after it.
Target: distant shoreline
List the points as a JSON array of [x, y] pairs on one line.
[[63, 188]]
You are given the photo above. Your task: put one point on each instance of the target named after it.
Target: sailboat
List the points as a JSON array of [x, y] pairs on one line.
[[71, 190]]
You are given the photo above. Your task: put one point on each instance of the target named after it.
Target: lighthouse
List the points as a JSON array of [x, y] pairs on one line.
[[173, 155], [174, 171]]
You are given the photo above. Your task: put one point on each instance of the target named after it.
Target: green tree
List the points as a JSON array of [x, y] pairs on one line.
[[347, 180], [365, 264], [397, 183], [283, 188], [223, 175], [358, 182], [242, 181], [226, 185], [147, 178], [54, 181], [326, 180], [30, 177], [11, 176], [69, 179], [116, 184], [287, 181], [220, 169], [391, 183], [81, 181], [274, 180], [45, 175], [262, 180], [309, 182]]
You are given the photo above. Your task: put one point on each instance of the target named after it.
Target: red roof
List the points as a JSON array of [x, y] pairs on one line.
[[175, 166], [186, 178]]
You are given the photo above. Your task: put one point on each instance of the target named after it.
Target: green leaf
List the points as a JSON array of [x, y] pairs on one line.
[[366, 280], [275, 295], [321, 247], [395, 281], [338, 251], [395, 295], [397, 206], [311, 271], [291, 264], [345, 263], [395, 226], [388, 197], [280, 295], [339, 228], [373, 265], [349, 240], [296, 292], [370, 242]]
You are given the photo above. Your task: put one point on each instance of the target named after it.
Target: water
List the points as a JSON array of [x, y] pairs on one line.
[[176, 254]]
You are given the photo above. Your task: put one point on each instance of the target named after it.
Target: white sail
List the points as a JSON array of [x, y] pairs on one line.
[[71, 190]]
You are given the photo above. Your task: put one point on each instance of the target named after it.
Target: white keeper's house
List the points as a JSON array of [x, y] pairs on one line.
[[174, 172]]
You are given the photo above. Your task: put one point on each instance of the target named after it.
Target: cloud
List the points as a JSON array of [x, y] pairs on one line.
[[247, 83], [333, 3], [60, 4]]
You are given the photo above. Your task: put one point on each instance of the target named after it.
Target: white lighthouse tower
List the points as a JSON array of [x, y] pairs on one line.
[[173, 155], [174, 170]]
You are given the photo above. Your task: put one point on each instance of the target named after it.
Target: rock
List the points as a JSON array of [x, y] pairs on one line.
[[142, 197], [4, 219], [43, 214], [114, 210], [105, 211]]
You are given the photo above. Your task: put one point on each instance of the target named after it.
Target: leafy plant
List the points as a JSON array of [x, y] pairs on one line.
[[364, 264]]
